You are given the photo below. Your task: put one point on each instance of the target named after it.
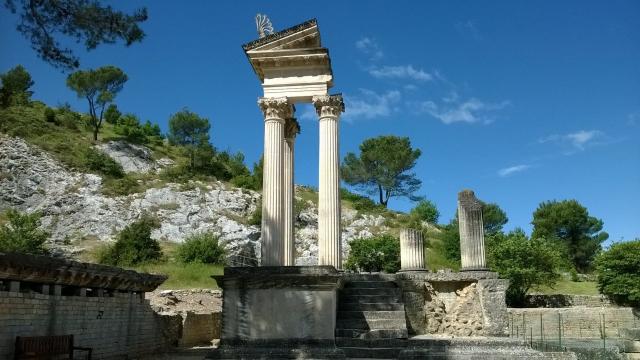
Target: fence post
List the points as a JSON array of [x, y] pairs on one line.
[[604, 332], [524, 328], [541, 328], [559, 330]]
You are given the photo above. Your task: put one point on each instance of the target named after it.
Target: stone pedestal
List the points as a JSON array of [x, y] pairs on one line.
[[329, 243], [275, 110], [472, 256], [292, 128], [278, 311], [411, 250]]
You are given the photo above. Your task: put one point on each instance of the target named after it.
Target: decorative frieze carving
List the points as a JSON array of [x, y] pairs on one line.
[[328, 105]]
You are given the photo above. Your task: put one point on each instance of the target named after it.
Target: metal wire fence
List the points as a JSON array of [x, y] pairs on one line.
[[588, 329]]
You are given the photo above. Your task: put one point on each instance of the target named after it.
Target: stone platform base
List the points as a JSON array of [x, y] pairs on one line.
[[277, 349]]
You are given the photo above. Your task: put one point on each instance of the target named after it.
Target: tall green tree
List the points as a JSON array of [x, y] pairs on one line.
[[383, 168], [15, 87], [112, 114], [569, 223], [41, 21], [618, 271], [493, 218], [99, 87], [526, 263], [188, 129]]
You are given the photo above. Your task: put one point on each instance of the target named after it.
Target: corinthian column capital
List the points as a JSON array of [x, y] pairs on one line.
[[328, 105], [275, 108], [291, 128]]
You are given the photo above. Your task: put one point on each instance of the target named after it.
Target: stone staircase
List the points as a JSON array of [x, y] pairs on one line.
[[371, 320]]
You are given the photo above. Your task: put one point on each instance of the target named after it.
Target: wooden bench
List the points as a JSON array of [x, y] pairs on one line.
[[47, 347]]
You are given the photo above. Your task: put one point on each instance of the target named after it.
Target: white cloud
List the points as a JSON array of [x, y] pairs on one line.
[[513, 169], [578, 140], [633, 119], [370, 47], [369, 104], [400, 72], [470, 111]]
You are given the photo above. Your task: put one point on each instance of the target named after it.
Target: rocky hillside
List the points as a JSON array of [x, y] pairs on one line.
[[78, 215]]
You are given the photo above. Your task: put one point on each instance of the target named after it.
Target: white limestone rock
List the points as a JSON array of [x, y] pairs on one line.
[[132, 157]]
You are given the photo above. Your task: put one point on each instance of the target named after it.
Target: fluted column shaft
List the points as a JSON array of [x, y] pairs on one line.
[[411, 250], [292, 128], [275, 110], [472, 254], [329, 232]]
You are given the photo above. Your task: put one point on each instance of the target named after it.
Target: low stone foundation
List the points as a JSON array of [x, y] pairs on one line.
[[561, 300], [470, 303]]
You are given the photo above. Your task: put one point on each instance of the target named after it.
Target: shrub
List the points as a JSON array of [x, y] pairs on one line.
[[123, 186], [256, 216], [21, 234], [379, 253], [103, 163], [50, 115], [425, 210], [203, 248], [526, 263], [619, 274], [359, 202], [134, 245]]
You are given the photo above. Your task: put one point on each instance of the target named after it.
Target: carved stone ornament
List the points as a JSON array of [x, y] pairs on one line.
[[328, 105], [291, 128], [275, 108]]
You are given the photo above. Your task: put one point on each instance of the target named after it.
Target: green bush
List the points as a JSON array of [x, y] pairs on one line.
[[359, 202], [380, 253], [134, 245], [103, 163], [50, 115], [122, 186], [618, 271], [427, 211], [21, 233], [203, 248], [256, 216], [527, 264]]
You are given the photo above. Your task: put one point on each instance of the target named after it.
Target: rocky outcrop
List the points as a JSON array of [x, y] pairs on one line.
[[77, 214], [133, 158]]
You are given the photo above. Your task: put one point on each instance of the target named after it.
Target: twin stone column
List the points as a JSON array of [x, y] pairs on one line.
[[280, 130]]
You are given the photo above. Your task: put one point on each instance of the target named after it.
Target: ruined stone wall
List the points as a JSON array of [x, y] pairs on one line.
[[573, 322], [200, 329], [459, 304], [561, 300], [115, 327]]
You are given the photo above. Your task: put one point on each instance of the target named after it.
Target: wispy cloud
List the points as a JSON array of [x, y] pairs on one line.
[[369, 104], [578, 140], [513, 169], [370, 47], [469, 27], [453, 111], [633, 119], [400, 72]]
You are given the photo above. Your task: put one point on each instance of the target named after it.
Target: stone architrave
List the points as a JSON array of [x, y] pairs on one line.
[[275, 111], [472, 254], [292, 128], [411, 250], [329, 108]]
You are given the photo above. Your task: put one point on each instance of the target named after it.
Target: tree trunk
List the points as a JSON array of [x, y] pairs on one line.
[[95, 133], [380, 194]]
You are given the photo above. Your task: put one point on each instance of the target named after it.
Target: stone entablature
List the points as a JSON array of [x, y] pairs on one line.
[[55, 271]]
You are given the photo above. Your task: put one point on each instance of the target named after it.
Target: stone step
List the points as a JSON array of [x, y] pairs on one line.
[[371, 343], [371, 324], [385, 299], [369, 277], [373, 334], [371, 315], [389, 291], [369, 353], [362, 306], [369, 284]]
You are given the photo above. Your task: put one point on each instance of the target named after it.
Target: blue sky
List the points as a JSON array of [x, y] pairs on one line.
[[520, 101]]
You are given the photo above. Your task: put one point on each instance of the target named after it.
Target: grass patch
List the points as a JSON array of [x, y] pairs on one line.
[[184, 276], [568, 287]]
